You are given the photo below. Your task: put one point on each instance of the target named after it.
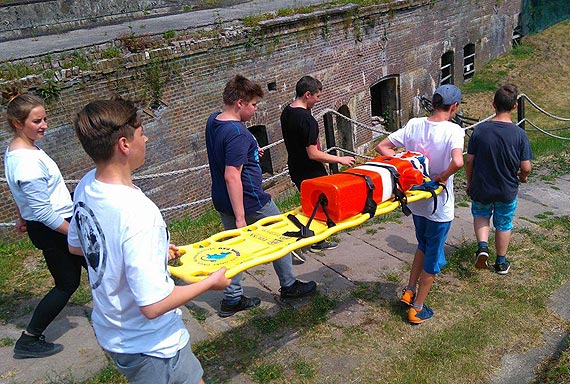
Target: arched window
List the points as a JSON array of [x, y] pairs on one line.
[[385, 101]]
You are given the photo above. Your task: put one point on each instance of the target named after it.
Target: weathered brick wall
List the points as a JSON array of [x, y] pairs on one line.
[[349, 49]]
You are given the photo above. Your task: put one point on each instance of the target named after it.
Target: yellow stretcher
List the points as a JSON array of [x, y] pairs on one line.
[[264, 241]]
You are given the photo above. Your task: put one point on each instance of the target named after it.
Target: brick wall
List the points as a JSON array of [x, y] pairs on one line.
[[349, 49]]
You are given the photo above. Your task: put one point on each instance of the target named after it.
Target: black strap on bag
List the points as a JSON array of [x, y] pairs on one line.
[[431, 186], [369, 205], [397, 190], [304, 230]]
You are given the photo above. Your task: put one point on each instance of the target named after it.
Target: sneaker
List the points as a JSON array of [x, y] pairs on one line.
[[298, 290], [418, 317], [244, 303], [408, 296], [481, 257], [323, 246], [502, 269], [35, 346], [298, 257]]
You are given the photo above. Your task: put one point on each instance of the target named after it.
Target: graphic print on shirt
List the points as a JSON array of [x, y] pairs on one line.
[[92, 241]]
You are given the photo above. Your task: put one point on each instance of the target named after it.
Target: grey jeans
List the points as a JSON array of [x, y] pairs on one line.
[[283, 266], [138, 368]]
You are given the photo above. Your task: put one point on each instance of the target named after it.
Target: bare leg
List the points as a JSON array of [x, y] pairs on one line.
[[502, 240], [482, 228], [417, 267], [426, 281]]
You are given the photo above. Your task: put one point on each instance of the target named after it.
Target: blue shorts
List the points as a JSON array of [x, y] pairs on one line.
[[431, 237], [503, 213]]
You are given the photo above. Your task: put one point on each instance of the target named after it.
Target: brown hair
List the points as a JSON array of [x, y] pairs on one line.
[[241, 88], [505, 98], [19, 105], [101, 123]]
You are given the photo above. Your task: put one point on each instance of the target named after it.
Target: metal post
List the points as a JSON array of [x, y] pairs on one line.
[[329, 137], [520, 112]]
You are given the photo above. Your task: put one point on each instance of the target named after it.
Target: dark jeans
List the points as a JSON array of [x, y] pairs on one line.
[[65, 269]]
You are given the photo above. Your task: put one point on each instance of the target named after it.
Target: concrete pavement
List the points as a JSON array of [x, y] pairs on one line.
[[365, 253]]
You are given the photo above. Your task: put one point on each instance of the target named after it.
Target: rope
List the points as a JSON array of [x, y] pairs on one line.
[[349, 152], [371, 128], [479, 122], [542, 110], [542, 130]]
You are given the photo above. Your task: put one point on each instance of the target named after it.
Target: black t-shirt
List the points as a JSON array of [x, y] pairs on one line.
[[300, 129], [499, 148]]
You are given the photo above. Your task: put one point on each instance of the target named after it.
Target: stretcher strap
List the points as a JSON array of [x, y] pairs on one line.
[[369, 205], [397, 190], [431, 186], [304, 230]]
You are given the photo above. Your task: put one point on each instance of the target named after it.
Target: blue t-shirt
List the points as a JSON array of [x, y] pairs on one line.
[[498, 147], [230, 143]]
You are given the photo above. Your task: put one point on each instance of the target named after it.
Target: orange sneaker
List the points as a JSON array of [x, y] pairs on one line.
[[408, 296], [418, 317]]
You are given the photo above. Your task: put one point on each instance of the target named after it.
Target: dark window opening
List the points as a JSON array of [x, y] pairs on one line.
[[260, 133], [446, 76], [385, 101], [468, 61]]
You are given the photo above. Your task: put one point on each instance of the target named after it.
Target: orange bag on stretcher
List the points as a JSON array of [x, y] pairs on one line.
[[346, 193]]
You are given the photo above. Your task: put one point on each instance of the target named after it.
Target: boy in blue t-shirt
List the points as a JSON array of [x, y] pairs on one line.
[[237, 192], [498, 158]]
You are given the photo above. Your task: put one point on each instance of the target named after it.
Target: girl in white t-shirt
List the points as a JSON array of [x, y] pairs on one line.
[[44, 207]]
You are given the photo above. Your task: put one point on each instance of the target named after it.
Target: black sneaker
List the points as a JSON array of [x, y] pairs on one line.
[[481, 257], [299, 289], [34, 346], [323, 246], [244, 303], [298, 257], [502, 269]]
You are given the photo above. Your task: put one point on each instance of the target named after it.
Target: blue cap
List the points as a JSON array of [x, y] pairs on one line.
[[449, 93]]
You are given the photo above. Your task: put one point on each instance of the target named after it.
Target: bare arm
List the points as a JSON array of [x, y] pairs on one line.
[[75, 250], [524, 171], [385, 148], [20, 222], [232, 176], [182, 294], [469, 161], [316, 154], [454, 166]]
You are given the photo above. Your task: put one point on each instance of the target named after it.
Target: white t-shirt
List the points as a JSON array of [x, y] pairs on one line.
[[125, 241], [435, 140], [37, 186]]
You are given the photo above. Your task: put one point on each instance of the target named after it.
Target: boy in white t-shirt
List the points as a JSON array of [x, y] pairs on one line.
[[441, 141], [125, 241]]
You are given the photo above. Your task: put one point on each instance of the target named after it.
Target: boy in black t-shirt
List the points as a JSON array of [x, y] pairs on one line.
[[305, 158]]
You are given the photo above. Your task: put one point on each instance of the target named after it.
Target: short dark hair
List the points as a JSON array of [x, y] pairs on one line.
[[307, 83], [437, 103], [505, 98], [241, 88], [101, 123]]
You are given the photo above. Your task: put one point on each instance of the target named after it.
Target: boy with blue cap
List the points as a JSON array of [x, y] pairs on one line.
[[441, 141]]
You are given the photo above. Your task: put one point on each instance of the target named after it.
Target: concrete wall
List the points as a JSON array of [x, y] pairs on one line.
[[349, 49], [32, 18]]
